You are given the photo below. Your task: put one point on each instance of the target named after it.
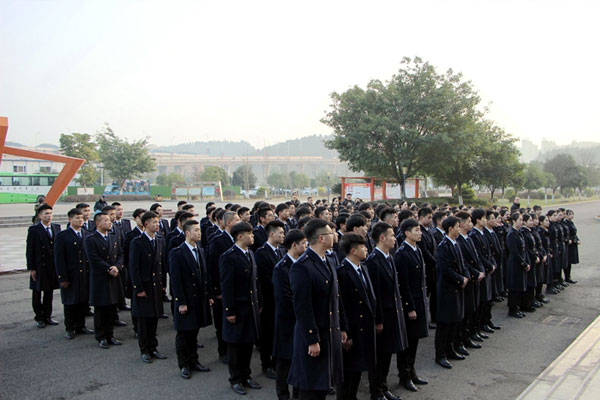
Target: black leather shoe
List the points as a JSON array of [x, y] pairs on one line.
[[494, 326], [70, 335], [185, 373], [146, 358], [543, 299], [571, 281], [239, 389], [252, 384], [119, 323], [164, 316], [471, 344], [461, 350], [515, 314], [40, 324], [114, 341], [444, 363], [89, 313], [86, 331], [498, 299], [157, 354], [418, 381], [331, 391], [483, 335], [200, 346], [103, 344], [528, 309], [50, 321], [200, 367], [552, 291], [408, 385], [476, 338], [455, 356], [270, 373], [537, 304], [125, 308], [391, 396], [487, 329]]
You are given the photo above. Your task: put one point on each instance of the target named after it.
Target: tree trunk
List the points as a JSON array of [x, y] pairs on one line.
[[460, 196], [492, 193]]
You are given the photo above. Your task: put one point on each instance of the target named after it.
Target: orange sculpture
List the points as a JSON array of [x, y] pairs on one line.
[[67, 173]]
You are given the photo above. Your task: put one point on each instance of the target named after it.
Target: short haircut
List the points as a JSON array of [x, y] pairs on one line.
[[242, 210], [209, 204], [350, 241], [313, 227], [490, 213], [262, 212], [106, 209], [293, 236], [463, 216], [319, 211], [386, 212], [189, 224], [178, 215], [449, 223], [379, 229], [380, 207], [235, 207], [303, 211], [542, 218], [550, 213], [341, 220], [73, 212], [404, 214], [365, 214], [228, 216], [477, 214], [355, 221], [98, 215], [281, 207], [185, 216], [138, 212], [273, 226], [82, 205], [43, 207], [187, 207], [537, 208], [219, 214], [228, 206], [425, 211], [514, 217], [438, 216], [148, 215], [408, 225], [181, 202], [209, 210], [154, 206], [364, 206], [303, 221], [240, 227], [115, 204], [526, 217]]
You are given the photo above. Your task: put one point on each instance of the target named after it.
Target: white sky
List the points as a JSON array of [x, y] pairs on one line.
[[180, 71]]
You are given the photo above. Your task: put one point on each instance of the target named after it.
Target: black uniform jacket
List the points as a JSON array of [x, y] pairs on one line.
[[411, 274], [40, 256], [145, 270], [285, 318], [105, 290], [451, 271], [72, 266]]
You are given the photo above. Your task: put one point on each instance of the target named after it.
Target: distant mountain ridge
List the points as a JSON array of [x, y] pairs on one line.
[[306, 146]]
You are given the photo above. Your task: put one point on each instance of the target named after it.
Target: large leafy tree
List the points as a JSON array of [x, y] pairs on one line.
[[123, 159], [565, 171], [534, 178], [384, 128], [214, 173], [80, 145], [279, 181], [244, 176]]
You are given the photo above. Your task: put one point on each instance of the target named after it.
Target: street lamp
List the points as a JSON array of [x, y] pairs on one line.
[[404, 173]]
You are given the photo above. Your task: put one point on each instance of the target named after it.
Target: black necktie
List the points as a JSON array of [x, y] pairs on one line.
[[362, 277], [248, 258], [390, 265], [196, 256], [79, 235], [277, 254], [49, 231]]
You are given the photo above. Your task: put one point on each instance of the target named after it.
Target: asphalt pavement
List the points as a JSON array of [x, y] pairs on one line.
[[42, 363]]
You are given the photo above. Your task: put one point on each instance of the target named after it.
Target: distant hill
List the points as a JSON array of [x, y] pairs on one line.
[[306, 146], [13, 144]]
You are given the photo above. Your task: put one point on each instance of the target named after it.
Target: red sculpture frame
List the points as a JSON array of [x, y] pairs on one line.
[[67, 173]]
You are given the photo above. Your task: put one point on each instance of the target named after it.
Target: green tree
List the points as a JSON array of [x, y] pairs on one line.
[[213, 173], [80, 145], [564, 169], [279, 181], [534, 178], [244, 176], [299, 181], [123, 159], [383, 129], [324, 179], [170, 179]]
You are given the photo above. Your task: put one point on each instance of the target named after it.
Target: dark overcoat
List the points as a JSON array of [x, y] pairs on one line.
[[72, 266], [427, 246], [105, 290], [518, 260], [239, 288], [389, 312], [451, 271], [473, 266], [315, 293], [266, 259], [285, 318], [533, 254], [498, 255], [412, 277], [216, 248], [487, 289], [358, 320], [190, 287], [260, 237], [574, 246], [40, 257], [145, 270]]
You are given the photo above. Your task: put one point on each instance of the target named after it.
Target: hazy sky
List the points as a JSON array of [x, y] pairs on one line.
[[180, 71]]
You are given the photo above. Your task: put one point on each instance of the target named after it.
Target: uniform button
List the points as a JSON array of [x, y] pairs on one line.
[[155, 284], [153, 274], [226, 309], [361, 315], [327, 282], [251, 292], [330, 313], [310, 331], [360, 302], [361, 329], [80, 270]]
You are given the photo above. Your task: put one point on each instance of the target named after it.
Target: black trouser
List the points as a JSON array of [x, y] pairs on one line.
[[239, 356], [103, 321], [186, 346], [527, 297], [514, 300], [147, 334], [378, 379], [348, 389], [313, 394], [433, 305], [123, 275], [406, 360], [42, 307], [568, 272], [538, 290], [282, 368], [445, 333], [75, 316], [217, 308], [468, 326], [267, 328]]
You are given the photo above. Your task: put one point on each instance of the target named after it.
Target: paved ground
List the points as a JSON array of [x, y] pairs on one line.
[[41, 363]]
